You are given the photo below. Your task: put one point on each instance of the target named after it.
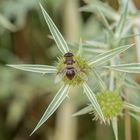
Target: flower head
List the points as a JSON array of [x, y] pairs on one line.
[[112, 106], [110, 103], [78, 67]]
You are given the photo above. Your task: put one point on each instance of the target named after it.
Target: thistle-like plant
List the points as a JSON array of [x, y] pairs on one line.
[[112, 105], [83, 64], [87, 66], [110, 100]]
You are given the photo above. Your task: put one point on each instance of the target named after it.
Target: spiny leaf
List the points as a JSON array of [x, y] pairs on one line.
[[92, 49], [102, 58], [96, 43], [90, 46], [129, 68], [106, 9], [131, 83], [57, 100], [115, 128], [122, 21], [99, 80], [130, 36], [135, 116], [92, 98], [132, 107], [83, 111], [43, 69], [120, 80], [80, 49], [106, 23], [61, 43]]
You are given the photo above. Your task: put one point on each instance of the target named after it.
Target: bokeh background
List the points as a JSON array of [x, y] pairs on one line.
[[25, 38]]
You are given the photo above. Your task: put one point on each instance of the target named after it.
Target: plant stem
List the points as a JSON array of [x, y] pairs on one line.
[[72, 20], [127, 122], [111, 82], [65, 124]]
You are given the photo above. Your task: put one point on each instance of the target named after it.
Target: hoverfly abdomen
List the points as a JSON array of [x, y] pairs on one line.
[[70, 70], [70, 73]]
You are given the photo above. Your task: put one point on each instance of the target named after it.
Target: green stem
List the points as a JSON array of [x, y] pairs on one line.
[[127, 122], [111, 80]]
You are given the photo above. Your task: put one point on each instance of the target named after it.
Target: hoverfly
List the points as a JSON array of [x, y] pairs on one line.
[[70, 69]]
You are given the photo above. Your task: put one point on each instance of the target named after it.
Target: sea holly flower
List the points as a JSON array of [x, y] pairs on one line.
[[112, 106], [72, 69], [110, 103], [109, 100]]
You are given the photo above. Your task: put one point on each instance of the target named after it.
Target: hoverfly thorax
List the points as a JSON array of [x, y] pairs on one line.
[[69, 59]]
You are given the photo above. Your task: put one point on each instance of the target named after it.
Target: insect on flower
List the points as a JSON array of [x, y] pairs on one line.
[[73, 69], [70, 69]]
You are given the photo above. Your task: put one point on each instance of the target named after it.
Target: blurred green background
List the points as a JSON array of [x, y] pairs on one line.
[[25, 38]]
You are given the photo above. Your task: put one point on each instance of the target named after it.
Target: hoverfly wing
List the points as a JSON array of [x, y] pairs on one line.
[[81, 74], [60, 76]]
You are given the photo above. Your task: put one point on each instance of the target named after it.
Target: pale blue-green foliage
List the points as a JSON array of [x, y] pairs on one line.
[[94, 5], [131, 83], [62, 93], [135, 116], [83, 111], [61, 43], [99, 79], [102, 58], [42, 69], [121, 22], [115, 128], [116, 34], [129, 68], [132, 107], [110, 49], [57, 100], [92, 98]]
